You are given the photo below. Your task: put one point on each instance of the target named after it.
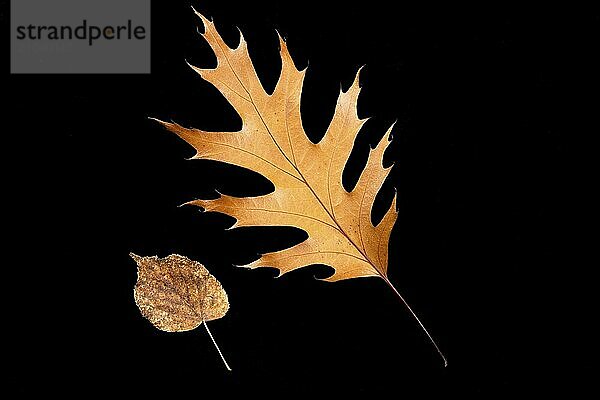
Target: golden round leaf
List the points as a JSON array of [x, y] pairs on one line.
[[177, 294]]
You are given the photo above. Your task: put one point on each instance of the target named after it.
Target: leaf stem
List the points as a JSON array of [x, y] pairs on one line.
[[216, 345], [416, 318]]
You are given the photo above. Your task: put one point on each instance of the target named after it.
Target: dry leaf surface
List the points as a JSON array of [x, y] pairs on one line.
[[177, 294], [307, 177]]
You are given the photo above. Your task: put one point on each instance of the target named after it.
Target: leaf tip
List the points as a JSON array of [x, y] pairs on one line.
[[249, 265], [357, 77], [196, 69], [354, 87], [235, 225], [390, 135], [196, 156], [192, 203], [157, 120], [242, 42], [306, 68], [165, 124], [205, 21], [283, 49]]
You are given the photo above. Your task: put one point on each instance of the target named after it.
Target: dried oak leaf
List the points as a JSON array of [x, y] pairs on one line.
[[177, 294], [307, 176]]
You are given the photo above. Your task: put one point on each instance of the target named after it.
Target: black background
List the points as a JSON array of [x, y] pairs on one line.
[[487, 103]]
